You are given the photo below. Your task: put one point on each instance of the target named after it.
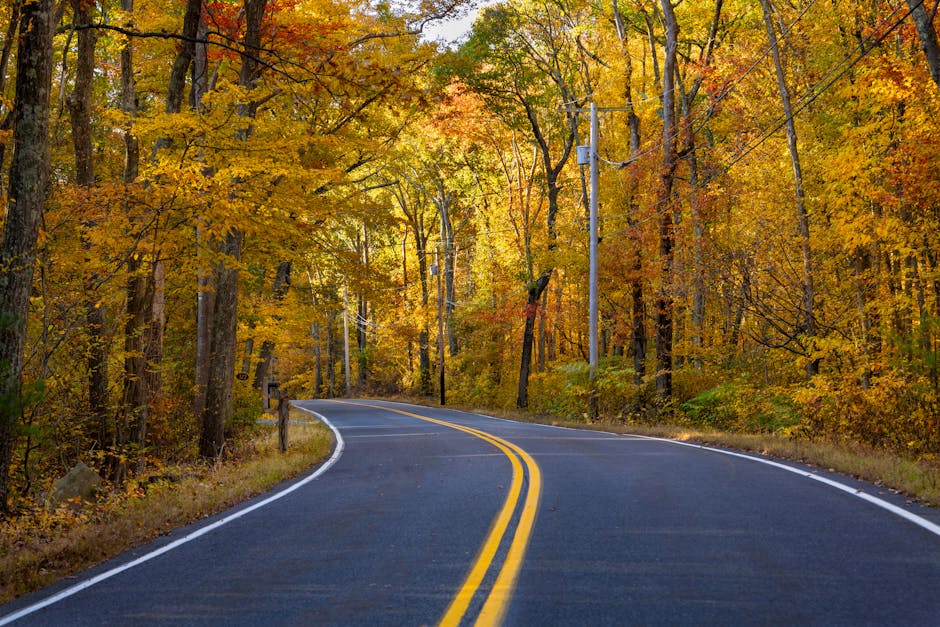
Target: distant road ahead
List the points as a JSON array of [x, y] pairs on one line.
[[433, 515]]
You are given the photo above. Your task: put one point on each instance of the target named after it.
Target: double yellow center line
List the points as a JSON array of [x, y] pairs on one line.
[[497, 601]]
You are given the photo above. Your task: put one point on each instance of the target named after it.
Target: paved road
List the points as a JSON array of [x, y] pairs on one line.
[[450, 516]]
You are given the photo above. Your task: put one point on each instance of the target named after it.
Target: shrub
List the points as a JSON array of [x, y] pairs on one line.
[[739, 406]]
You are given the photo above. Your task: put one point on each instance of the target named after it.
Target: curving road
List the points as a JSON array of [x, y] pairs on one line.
[[430, 515]]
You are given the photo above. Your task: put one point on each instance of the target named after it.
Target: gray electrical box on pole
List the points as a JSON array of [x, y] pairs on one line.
[[584, 155]]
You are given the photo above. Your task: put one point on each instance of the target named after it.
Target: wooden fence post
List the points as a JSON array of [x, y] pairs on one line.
[[283, 411]]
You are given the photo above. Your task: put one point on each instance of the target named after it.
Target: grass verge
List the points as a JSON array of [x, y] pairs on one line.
[[40, 547], [916, 479]]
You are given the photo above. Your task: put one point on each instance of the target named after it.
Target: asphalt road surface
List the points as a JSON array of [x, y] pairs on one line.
[[430, 516]]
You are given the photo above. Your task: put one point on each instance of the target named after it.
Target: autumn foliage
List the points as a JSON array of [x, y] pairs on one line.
[[325, 159]]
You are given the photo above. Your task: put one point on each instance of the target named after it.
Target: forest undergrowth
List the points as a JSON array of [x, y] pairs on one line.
[[39, 547]]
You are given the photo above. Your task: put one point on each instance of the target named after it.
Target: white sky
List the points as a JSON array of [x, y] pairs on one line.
[[454, 31]]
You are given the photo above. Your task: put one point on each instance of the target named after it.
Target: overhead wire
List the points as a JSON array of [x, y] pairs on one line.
[[821, 86], [705, 115]]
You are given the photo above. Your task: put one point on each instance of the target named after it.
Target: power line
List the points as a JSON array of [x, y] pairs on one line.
[[820, 87], [704, 116]]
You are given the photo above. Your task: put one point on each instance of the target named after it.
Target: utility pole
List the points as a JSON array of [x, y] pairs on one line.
[[436, 270], [346, 343], [592, 291], [588, 155]]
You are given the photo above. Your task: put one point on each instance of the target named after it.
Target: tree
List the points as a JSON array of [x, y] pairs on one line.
[[807, 323], [928, 36], [665, 296], [29, 177], [511, 53], [225, 315]]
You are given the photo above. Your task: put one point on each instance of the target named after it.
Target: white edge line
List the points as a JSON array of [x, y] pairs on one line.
[[920, 521], [337, 452]]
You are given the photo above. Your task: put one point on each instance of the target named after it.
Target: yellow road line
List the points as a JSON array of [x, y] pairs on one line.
[[497, 602]]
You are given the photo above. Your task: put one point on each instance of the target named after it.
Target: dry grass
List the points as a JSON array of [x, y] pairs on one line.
[[40, 548], [917, 479]]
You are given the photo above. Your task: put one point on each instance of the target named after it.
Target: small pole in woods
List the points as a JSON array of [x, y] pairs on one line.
[[283, 412], [436, 270], [346, 343]]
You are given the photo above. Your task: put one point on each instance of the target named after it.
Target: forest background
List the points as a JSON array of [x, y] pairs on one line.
[[207, 197]]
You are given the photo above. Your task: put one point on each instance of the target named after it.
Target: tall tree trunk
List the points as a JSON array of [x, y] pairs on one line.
[[29, 177], [129, 104], [362, 317], [424, 346], [362, 338], [79, 105], [132, 426], [541, 357], [690, 148], [205, 297], [404, 297], [638, 330], [331, 355], [143, 330], [537, 286], [117, 464], [222, 350], [807, 323], [225, 314], [184, 56], [154, 330], [443, 203], [665, 297], [8, 42], [79, 100], [528, 336], [928, 36], [698, 271]]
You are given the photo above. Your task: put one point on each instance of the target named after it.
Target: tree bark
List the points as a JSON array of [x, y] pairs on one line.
[[665, 297], [79, 105], [184, 56], [331, 355], [447, 240], [29, 176], [362, 317], [416, 222], [4, 63], [205, 297], [225, 314], [222, 351], [154, 330], [928, 36], [551, 173], [132, 427], [638, 323], [528, 336]]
